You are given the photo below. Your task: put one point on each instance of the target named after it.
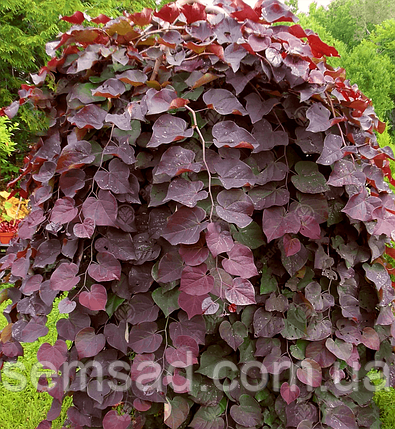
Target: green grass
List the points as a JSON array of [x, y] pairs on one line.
[[26, 408]]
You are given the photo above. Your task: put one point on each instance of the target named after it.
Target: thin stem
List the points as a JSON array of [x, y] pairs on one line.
[[334, 116], [156, 68], [196, 127]]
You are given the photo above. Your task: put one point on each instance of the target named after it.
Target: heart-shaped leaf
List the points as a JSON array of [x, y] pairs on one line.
[[195, 281], [112, 420], [289, 392], [89, 344], [95, 299], [52, 357], [310, 373]]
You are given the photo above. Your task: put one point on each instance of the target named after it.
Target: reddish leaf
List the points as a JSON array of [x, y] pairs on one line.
[[63, 211], [291, 245], [65, 277], [170, 268], [194, 12], [167, 129], [101, 19], [76, 18], [241, 262], [84, 229], [228, 134], [95, 299], [184, 226], [242, 292], [192, 304], [370, 338], [194, 254], [218, 241], [289, 393], [168, 13], [310, 373], [195, 281], [55, 355]]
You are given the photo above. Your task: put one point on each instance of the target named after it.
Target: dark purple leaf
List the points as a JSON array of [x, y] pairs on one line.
[[74, 155], [177, 160], [331, 151], [31, 284], [267, 138], [320, 354], [118, 243], [63, 211], [228, 134], [218, 241], [186, 192], [122, 150], [319, 118], [194, 254], [310, 373], [370, 338], [233, 334], [47, 253], [142, 309], [361, 206], [170, 268], [54, 355], [65, 277], [144, 338], [133, 77], [89, 344], [195, 281], [115, 336], [95, 299], [71, 182], [176, 410], [235, 206], [116, 179], [309, 142], [107, 268], [102, 210], [291, 245], [276, 222], [223, 102], [66, 306], [266, 324], [233, 54], [90, 116], [191, 304], [241, 262], [167, 129], [341, 417], [159, 101], [234, 173], [111, 88], [268, 195], [184, 226], [258, 108]]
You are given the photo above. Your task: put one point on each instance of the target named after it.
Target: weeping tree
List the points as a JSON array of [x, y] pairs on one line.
[[211, 202]]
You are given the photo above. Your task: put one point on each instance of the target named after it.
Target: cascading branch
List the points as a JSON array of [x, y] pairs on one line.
[[209, 190]]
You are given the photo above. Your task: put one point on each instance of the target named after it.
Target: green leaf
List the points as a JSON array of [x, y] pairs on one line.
[[298, 350], [251, 236], [166, 301], [247, 350], [113, 302], [268, 282], [208, 418], [295, 323], [209, 363]]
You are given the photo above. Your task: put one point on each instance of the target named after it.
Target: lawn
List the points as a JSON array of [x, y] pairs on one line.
[[25, 409]]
